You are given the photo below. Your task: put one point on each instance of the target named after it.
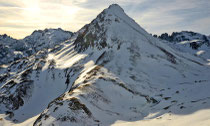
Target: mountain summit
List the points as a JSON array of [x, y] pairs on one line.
[[103, 30], [115, 8], [110, 70]]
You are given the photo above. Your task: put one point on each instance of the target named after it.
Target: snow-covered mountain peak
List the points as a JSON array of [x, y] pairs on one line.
[[115, 12], [107, 29], [115, 8], [48, 36]]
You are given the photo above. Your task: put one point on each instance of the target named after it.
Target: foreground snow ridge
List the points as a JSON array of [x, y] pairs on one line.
[[110, 72]]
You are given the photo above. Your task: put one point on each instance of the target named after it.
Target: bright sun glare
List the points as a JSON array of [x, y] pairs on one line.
[[31, 8], [34, 10]]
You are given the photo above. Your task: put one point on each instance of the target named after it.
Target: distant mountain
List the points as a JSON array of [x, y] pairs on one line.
[[12, 49], [189, 42], [110, 72]]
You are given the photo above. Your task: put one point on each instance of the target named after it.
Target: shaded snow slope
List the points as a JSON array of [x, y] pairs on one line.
[[110, 72]]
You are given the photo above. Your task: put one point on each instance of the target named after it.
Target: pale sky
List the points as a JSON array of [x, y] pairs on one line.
[[19, 18]]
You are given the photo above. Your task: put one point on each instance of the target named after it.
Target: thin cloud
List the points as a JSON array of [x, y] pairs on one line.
[[169, 16], [155, 16]]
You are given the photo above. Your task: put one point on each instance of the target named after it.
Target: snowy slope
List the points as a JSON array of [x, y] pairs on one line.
[[110, 72], [12, 49]]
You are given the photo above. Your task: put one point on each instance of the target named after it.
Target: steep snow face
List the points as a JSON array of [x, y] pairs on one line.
[[110, 70], [189, 42], [12, 49]]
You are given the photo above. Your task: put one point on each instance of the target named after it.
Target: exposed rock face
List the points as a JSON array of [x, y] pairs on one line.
[[14, 100]]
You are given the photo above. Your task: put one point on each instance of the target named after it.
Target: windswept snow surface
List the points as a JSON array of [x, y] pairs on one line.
[[110, 72]]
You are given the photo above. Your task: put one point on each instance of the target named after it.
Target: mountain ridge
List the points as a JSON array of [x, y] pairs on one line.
[[13, 49], [189, 42]]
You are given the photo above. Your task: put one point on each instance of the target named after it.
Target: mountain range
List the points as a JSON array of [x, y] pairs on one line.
[[110, 72], [188, 42], [12, 49]]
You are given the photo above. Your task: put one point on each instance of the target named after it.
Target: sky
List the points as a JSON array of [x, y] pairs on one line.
[[19, 18]]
